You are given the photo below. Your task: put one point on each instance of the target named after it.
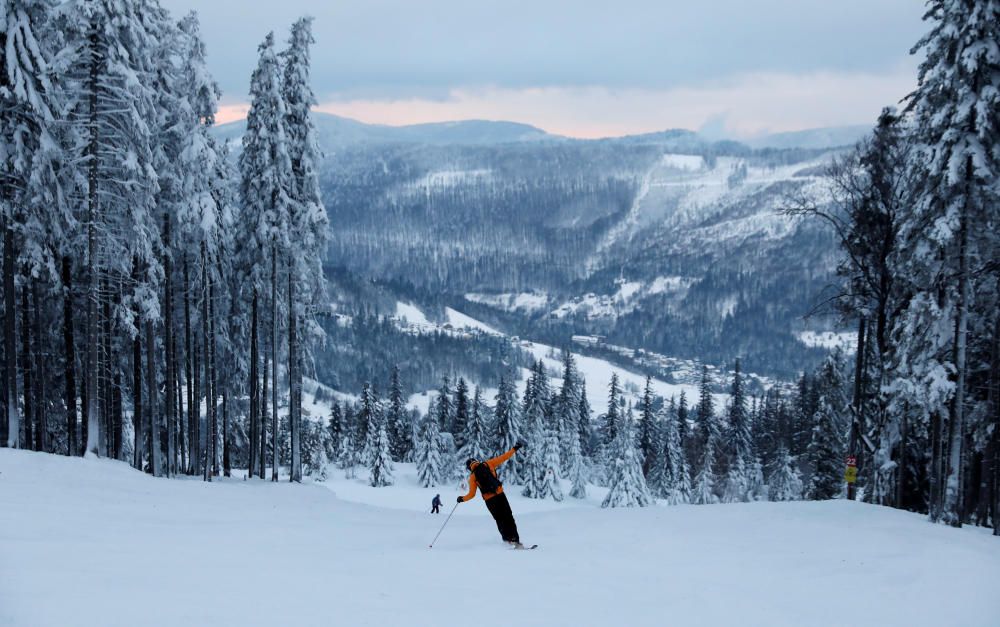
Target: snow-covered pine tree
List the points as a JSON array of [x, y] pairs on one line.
[[381, 459], [549, 485], [534, 465], [647, 428], [266, 199], [683, 430], [585, 415], [958, 131], [567, 410], [460, 415], [507, 418], [400, 429], [444, 411], [335, 426], [577, 473], [25, 119], [612, 418], [739, 444], [659, 476], [307, 219], [784, 481], [627, 486], [826, 451], [475, 430], [427, 451], [371, 417], [703, 491]]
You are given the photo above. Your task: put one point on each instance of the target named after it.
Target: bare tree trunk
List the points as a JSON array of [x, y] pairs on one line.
[[274, 363], [111, 432], [168, 345], [119, 413], [9, 332], [209, 459], [192, 408], [253, 387], [214, 378], [956, 423], [199, 444], [42, 424], [226, 462], [137, 422], [154, 421], [263, 419], [70, 356], [29, 407], [181, 430], [294, 385], [93, 430]]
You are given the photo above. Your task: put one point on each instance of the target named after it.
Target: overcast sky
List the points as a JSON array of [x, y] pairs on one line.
[[734, 68]]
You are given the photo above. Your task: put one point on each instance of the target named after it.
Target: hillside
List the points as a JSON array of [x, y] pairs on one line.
[[87, 542]]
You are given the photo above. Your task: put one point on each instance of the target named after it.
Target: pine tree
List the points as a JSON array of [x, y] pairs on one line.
[[534, 466], [370, 418], [942, 237], [400, 430], [703, 492], [460, 416], [444, 411], [428, 453], [825, 453], [381, 462], [784, 482], [739, 445], [647, 428], [507, 418], [577, 473], [568, 410], [475, 430], [626, 482]]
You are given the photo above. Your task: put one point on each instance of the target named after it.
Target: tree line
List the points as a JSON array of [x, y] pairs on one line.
[[916, 209], [149, 285], [777, 446]]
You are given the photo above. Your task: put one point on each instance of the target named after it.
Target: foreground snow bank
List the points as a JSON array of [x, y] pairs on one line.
[[89, 542]]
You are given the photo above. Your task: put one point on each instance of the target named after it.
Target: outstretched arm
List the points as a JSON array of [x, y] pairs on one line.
[[500, 459]]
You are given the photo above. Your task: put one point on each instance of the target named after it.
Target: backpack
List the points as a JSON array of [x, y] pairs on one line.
[[488, 482]]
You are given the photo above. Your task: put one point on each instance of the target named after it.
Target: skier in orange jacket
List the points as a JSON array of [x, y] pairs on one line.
[[484, 476]]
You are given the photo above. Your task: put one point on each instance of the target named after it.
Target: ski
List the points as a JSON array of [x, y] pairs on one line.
[[524, 548]]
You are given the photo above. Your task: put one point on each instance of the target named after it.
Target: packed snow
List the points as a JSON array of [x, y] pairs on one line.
[[89, 542]]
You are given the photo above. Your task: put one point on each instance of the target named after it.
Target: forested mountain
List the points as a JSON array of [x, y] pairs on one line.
[[664, 241]]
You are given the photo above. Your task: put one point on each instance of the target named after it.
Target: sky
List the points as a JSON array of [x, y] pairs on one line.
[[584, 68]]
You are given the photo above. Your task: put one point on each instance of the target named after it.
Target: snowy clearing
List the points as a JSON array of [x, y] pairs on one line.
[[93, 542]]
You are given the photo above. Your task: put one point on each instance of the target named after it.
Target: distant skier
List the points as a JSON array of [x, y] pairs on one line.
[[484, 476], [436, 504]]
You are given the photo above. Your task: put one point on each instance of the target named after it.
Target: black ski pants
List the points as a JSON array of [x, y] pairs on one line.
[[499, 507]]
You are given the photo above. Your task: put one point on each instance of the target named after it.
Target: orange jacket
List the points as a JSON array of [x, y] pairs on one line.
[[493, 465]]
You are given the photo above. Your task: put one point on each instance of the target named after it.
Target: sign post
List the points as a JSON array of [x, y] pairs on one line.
[[851, 475]]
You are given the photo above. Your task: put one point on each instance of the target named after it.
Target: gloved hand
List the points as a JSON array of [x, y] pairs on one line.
[[461, 498], [519, 446]]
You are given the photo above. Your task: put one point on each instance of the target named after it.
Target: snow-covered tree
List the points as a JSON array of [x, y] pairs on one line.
[[648, 443], [507, 418], [627, 486], [784, 482], [475, 430], [381, 460], [703, 491], [427, 452], [460, 415], [945, 236], [397, 418], [536, 458], [577, 473], [739, 444], [370, 419]]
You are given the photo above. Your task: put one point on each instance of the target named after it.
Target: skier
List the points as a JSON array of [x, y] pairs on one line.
[[484, 476], [436, 504]]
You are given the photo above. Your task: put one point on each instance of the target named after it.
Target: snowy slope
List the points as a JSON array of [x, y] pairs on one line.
[[94, 543]]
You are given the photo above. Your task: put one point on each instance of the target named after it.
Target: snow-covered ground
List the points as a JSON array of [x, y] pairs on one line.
[[92, 542]]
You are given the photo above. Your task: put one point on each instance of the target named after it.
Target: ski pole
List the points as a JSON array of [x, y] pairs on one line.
[[442, 526]]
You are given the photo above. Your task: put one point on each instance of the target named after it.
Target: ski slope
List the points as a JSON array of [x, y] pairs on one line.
[[95, 543]]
